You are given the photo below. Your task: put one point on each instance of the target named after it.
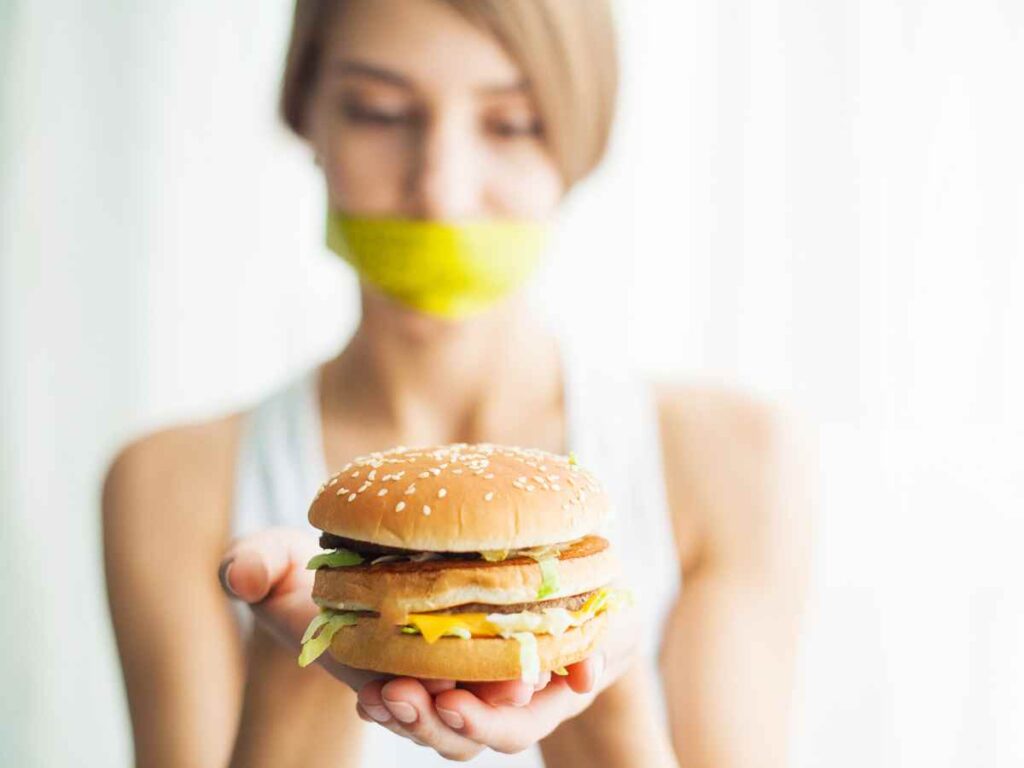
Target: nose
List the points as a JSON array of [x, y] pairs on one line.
[[445, 180]]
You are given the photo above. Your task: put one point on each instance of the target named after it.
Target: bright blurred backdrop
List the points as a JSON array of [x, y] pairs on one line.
[[819, 202]]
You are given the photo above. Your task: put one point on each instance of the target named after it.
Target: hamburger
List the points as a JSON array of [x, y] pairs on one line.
[[466, 562]]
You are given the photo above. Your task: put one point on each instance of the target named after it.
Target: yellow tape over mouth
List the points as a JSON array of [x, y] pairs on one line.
[[448, 269], [435, 626]]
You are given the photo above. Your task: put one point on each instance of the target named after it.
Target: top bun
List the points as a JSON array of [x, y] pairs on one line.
[[460, 498]]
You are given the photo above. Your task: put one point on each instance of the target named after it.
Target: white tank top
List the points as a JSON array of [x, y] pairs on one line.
[[612, 427]]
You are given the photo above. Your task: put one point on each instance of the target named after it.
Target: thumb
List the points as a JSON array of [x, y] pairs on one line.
[[257, 565]]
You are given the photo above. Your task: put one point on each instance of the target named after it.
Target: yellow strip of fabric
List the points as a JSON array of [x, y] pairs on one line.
[[449, 269]]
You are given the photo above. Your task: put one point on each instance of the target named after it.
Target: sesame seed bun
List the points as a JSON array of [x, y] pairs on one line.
[[373, 644], [460, 498], [397, 589]]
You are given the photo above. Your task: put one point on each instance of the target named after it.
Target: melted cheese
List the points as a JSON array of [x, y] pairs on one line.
[[553, 621]]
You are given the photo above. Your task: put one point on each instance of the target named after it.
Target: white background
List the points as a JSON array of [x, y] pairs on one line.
[[819, 202]]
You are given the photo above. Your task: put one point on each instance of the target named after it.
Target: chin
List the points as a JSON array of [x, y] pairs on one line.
[[416, 325]]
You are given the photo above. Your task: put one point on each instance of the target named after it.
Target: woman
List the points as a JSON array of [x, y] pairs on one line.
[[453, 111]]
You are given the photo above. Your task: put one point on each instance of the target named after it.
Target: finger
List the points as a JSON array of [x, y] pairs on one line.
[[435, 687], [511, 693], [256, 565], [584, 676], [510, 729], [371, 701], [410, 704]]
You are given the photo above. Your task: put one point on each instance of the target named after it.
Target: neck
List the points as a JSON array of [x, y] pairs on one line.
[[431, 381]]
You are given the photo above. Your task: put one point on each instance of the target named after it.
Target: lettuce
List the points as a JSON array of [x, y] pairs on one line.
[[320, 632], [318, 621], [335, 559], [529, 659], [548, 576], [494, 555], [560, 671]]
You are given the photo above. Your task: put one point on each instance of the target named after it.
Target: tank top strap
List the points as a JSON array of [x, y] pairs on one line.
[[614, 431], [280, 458]]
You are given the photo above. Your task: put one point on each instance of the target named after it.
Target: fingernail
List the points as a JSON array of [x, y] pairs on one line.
[[451, 718], [222, 575], [377, 712], [404, 713]]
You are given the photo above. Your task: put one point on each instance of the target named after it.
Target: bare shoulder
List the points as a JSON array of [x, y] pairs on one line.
[[735, 469], [171, 484]]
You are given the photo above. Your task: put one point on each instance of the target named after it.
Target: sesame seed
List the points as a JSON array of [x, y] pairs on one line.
[[424, 475], [442, 493], [489, 495], [382, 492], [426, 510], [351, 497], [556, 487], [529, 487], [372, 475], [410, 489], [435, 471], [399, 506], [355, 474], [363, 487], [456, 471]]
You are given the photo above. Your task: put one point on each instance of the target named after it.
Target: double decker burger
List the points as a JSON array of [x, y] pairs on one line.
[[465, 562]]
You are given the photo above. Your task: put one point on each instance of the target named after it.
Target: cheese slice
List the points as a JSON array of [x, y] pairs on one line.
[[434, 626]]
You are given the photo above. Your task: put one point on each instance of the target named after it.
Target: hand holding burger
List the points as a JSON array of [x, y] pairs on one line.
[[448, 591]]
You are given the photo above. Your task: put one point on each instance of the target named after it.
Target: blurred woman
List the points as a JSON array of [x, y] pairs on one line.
[[453, 130]]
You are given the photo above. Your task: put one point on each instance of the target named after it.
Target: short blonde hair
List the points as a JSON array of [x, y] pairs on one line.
[[566, 49]]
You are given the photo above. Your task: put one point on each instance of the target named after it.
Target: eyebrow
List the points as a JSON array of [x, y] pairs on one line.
[[382, 74]]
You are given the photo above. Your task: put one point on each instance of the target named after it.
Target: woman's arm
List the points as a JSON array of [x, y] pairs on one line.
[[166, 512], [624, 727], [165, 522], [740, 507]]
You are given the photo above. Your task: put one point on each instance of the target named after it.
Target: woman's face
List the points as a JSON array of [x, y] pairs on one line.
[[418, 114]]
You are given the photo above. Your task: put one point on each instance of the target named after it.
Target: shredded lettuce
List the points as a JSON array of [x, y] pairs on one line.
[[410, 631], [560, 671], [549, 577], [494, 555], [335, 559], [529, 659], [572, 460], [320, 632], [318, 621]]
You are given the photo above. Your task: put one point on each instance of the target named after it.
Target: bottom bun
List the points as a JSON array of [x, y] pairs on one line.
[[368, 645]]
